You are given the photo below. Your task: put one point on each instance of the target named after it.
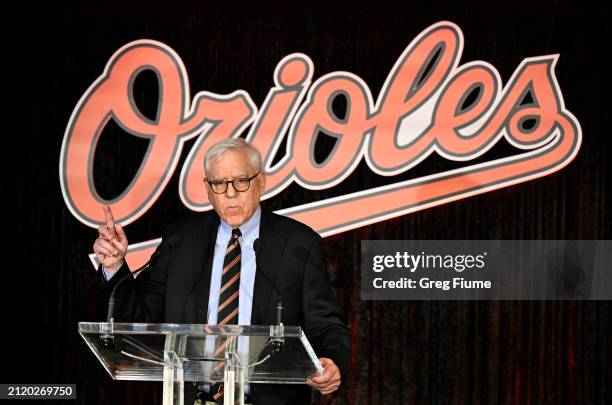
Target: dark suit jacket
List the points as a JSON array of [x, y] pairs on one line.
[[176, 290]]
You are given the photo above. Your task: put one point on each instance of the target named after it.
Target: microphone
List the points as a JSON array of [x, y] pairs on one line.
[[173, 242], [278, 340]]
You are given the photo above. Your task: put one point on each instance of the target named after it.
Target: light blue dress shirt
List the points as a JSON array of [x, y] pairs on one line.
[[250, 232]]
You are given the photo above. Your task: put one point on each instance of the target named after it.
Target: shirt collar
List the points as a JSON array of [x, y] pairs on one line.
[[249, 230]]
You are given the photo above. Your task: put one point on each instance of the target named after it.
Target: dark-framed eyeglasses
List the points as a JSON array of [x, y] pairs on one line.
[[240, 184]]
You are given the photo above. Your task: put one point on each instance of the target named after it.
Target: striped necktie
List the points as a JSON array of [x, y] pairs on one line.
[[228, 301]]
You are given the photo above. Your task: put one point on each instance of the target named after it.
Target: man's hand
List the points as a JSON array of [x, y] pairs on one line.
[[329, 381], [111, 245]]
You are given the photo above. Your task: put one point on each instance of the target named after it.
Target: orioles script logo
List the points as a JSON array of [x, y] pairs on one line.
[[420, 110]]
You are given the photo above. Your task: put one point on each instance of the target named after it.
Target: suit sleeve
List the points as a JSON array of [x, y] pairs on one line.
[[323, 322], [139, 299]]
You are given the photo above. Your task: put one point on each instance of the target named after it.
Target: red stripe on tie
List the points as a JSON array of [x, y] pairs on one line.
[[228, 301], [230, 316], [233, 262], [229, 283]]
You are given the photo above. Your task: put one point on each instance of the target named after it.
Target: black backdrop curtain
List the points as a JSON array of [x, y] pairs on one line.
[[403, 352]]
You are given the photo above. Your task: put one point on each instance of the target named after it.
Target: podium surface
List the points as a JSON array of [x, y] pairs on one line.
[[176, 353]]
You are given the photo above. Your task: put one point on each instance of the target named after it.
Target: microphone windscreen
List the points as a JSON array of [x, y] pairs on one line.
[[258, 246]]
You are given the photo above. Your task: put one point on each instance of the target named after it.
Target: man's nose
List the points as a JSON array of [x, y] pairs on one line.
[[231, 191]]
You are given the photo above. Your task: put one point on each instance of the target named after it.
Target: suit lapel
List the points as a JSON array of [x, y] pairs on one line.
[[203, 251], [273, 247]]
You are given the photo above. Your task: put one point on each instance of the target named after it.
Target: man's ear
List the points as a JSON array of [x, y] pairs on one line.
[[262, 182]]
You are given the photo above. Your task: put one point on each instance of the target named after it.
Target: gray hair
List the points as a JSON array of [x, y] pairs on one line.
[[218, 149]]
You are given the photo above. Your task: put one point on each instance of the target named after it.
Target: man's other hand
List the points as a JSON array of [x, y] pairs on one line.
[[329, 381]]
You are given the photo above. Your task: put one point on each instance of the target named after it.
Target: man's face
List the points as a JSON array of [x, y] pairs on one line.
[[234, 207]]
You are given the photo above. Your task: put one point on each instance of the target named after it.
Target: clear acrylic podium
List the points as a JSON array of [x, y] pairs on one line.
[[179, 353]]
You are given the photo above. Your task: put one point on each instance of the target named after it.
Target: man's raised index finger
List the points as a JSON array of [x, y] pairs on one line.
[[110, 221]]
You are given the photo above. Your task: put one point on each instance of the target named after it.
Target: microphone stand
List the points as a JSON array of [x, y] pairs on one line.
[[278, 330]]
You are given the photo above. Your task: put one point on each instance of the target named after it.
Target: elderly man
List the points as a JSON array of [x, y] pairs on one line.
[[211, 276]]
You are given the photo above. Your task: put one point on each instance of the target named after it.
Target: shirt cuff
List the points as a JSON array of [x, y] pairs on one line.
[[107, 274]]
